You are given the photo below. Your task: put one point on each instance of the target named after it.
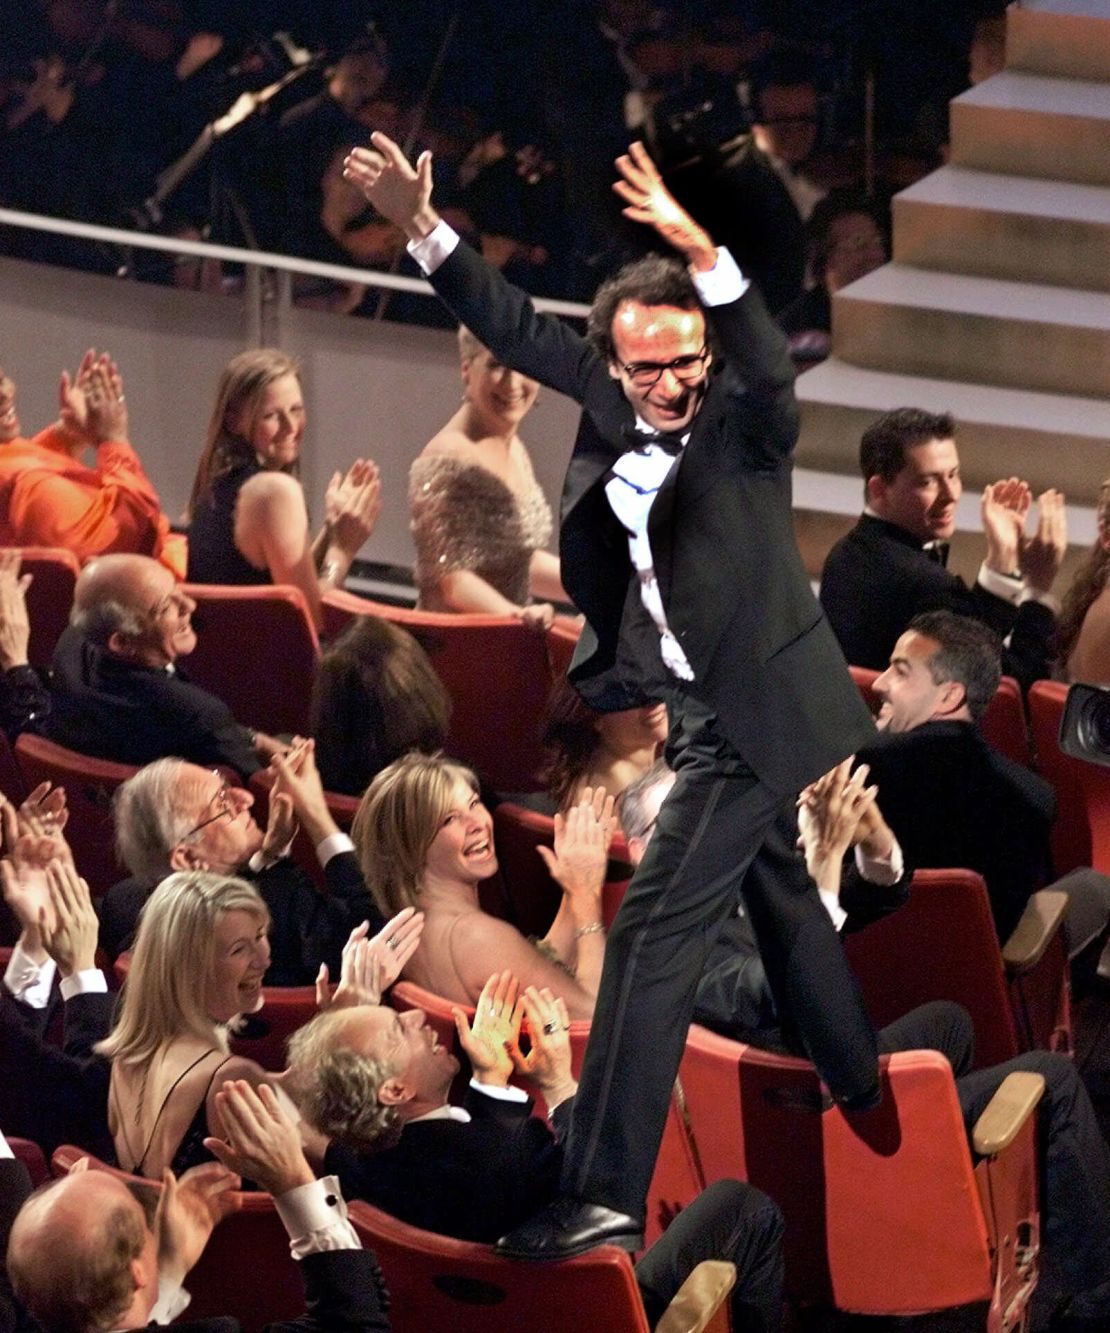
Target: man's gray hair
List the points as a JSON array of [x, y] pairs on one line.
[[100, 620], [148, 818], [337, 1090], [633, 809]]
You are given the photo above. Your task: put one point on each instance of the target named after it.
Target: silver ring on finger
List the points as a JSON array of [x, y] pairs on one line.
[[391, 943], [549, 1028]]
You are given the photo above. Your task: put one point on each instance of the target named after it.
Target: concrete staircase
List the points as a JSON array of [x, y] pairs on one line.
[[997, 303]]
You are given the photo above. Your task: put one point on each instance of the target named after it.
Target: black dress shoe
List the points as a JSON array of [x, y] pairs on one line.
[[568, 1227]]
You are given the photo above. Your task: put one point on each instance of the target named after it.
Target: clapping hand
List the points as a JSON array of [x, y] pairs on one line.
[[582, 838], [491, 1038], [15, 624], [188, 1212], [1005, 508], [371, 966], [1041, 555], [547, 1063], [71, 929], [260, 1142], [352, 504], [33, 839], [829, 815]]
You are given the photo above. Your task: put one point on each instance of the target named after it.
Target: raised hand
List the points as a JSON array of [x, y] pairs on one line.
[[400, 192], [547, 1063], [1041, 555], [490, 1039], [648, 200], [1005, 508], [15, 624], [298, 779], [260, 1141], [581, 855], [370, 966], [352, 504], [188, 1212], [70, 937]]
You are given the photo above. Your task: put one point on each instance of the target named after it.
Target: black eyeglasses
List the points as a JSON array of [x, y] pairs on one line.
[[685, 369], [222, 800]]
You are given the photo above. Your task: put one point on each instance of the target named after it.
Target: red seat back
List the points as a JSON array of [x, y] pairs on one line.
[[30, 1154], [89, 785], [883, 1213], [246, 1270], [498, 673], [257, 651], [941, 945], [49, 598], [436, 1282]]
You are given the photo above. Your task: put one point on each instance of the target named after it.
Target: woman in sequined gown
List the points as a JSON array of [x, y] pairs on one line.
[[480, 521]]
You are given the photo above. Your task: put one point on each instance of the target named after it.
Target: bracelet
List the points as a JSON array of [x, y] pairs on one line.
[[594, 928]]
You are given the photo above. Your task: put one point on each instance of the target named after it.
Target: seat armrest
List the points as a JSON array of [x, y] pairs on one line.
[[1006, 1112], [1042, 918], [699, 1298]]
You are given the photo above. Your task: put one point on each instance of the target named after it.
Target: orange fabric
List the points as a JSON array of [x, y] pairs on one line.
[[48, 498]]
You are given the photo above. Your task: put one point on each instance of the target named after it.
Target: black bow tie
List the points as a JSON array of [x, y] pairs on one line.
[[670, 442], [938, 552]]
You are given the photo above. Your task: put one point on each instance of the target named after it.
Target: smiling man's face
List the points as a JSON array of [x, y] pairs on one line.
[[659, 336]]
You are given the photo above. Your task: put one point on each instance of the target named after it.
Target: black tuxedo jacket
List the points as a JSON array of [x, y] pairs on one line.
[[472, 1181], [878, 577], [56, 1096], [102, 705], [307, 927], [721, 531], [956, 803]]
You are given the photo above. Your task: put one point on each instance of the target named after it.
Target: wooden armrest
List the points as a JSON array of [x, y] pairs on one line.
[[1006, 1112], [699, 1298], [1042, 918]]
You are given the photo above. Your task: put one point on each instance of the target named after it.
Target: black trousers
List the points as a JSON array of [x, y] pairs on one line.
[[731, 1221], [718, 824]]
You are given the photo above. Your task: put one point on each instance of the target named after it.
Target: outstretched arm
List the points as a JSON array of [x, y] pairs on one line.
[[648, 200]]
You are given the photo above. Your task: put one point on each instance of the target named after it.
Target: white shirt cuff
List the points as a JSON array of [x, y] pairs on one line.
[[260, 861], [723, 283], [28, 981], [331, 846], [431, 250], [881, 870], [831, 903], [509, 1094], [1000, 585], [91, 981], [315, 1217], [172, 1300]]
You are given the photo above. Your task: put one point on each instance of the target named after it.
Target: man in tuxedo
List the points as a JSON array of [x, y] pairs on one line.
[[376, 1085], [677, 545], [953, 800], [891, 565], [85, 1253], [174, 815], [117, 689]]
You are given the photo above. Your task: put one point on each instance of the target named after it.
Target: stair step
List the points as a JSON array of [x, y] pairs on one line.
[[963, 221], [1031, 125], [984, 330], [1068, 39], [1049, 439]]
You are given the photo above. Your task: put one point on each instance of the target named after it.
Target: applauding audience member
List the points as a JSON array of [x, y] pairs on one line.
[[49, 497], [248, 521], [376, 1083], [87, 1253], [479, 518], [891, 566], [426, 840], [177, 816]]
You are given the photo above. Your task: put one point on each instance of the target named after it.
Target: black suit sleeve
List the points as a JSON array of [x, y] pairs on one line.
[[217, 738], [347, 888], [344, 1293], [24, 701], [865, 902]]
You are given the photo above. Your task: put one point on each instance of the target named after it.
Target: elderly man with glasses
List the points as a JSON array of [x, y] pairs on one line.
[[174, 815]]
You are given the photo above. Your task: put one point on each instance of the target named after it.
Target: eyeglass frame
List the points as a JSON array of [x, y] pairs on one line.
[[221, 796], [634, 368]]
